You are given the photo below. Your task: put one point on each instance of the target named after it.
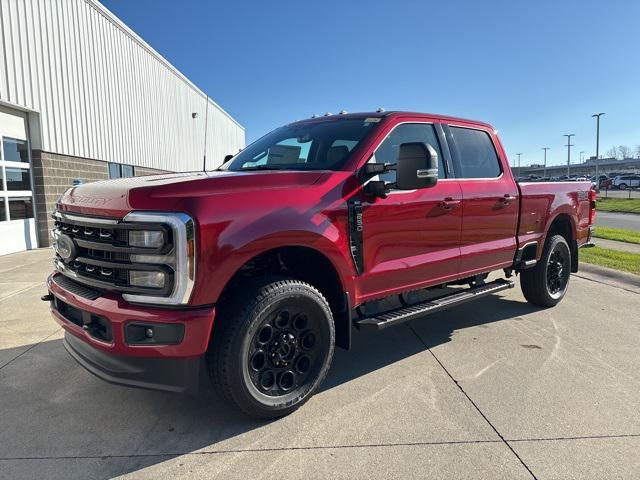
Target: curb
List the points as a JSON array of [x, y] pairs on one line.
[[610, 276]]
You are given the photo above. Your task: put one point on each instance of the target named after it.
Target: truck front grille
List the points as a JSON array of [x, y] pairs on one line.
[[103, 258]]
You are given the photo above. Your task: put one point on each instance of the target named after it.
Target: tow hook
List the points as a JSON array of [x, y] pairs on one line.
[[46, 298]]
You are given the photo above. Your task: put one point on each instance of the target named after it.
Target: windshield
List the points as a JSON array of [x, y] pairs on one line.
[[311, 146]]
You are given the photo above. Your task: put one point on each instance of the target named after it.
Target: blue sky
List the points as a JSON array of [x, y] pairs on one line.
[[535, 70]]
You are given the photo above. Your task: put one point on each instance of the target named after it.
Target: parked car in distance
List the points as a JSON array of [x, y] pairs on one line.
[[626, 181], [256, 271]]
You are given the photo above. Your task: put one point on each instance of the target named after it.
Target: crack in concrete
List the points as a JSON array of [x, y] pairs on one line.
[[486, 419], [324, 447], [31, 347]]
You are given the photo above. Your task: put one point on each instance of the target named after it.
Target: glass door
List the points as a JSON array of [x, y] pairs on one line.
[[16, 200]]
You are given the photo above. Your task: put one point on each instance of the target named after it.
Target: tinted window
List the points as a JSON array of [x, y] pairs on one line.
[[15, 150], [476, 156], [114, 170], [304, 146], [20, 208], [387, 152], [127, 170], [18, 179]]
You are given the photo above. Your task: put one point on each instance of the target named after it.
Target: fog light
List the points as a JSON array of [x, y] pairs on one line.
[[146, 238], [146, 279]]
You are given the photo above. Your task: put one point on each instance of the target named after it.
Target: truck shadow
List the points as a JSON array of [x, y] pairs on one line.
[[60, 419]]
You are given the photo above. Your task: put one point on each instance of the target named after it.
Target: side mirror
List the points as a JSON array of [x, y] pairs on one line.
[[417, 166], [227, 158]]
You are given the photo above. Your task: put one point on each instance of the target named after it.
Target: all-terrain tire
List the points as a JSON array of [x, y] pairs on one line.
[[268, 332], [538, 283]]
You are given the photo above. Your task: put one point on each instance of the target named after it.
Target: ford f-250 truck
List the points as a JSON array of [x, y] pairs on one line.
[[254, 272]]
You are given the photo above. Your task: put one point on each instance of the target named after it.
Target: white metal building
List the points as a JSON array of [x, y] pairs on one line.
[[83, 97]]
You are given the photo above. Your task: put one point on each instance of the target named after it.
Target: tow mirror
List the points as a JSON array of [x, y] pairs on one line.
[[417, 166]]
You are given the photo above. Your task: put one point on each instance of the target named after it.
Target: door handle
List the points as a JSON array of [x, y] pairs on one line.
[[507, 199], [449, 204]]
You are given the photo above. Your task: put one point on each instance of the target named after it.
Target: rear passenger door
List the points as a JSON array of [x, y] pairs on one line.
[[489, 201]]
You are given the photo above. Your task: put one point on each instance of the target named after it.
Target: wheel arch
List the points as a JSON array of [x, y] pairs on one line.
[[307, 264], [563, 224]]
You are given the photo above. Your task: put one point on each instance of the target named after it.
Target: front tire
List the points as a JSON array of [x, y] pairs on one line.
[[546, 283], [272, 346]]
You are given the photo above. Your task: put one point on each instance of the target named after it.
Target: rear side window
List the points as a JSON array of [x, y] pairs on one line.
[[476, 157], [387, 152]]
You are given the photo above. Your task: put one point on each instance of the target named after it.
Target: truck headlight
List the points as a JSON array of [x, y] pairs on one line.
[[170, 231], [146, 238], [147, 279]]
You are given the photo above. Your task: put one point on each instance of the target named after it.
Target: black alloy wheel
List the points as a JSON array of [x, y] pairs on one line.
[[272, 346], [287, 350], [558, 271]]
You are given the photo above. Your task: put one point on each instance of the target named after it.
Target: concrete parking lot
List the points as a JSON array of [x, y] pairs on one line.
[[494, 389]]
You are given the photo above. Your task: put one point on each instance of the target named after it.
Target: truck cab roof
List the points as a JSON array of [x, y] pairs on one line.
[[391, 114]]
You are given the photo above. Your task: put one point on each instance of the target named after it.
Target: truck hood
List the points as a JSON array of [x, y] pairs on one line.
[[158, 192]]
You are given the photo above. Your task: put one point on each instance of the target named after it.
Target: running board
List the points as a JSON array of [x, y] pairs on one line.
[[418, 310]]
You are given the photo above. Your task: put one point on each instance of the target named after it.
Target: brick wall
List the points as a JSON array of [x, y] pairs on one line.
[[53, 174]]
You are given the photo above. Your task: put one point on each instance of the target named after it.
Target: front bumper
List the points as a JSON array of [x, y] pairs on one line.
[[171, 367]]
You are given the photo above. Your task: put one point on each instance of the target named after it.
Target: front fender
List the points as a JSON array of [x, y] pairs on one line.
[[233, 248]]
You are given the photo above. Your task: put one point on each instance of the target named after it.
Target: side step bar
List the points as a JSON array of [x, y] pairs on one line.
[[394, 317]]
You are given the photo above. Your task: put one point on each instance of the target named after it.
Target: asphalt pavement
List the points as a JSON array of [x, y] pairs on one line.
[[628, 221], [493, 389]]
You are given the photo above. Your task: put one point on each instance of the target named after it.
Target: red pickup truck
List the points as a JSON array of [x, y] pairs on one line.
[[254, 272]]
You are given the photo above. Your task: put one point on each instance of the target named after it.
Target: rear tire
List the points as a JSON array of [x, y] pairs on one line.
[[272, 346], [546, 283], [622, 186]]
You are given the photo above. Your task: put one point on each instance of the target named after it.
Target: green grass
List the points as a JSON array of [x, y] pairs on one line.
[[605, 257], [619, 205], [619, 234]]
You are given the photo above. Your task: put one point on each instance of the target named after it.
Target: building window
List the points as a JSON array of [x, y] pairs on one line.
[[16, 197], [20, 208], [15, 150], [117, 170], [18, 179]]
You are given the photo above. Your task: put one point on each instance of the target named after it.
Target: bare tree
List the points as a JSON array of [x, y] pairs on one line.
[[637, 151], [624, 152], [612, 152]]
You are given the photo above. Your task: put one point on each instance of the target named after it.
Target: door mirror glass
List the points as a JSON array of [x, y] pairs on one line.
[[416, 166]]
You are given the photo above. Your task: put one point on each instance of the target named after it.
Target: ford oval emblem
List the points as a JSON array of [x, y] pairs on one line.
[[65, 247]]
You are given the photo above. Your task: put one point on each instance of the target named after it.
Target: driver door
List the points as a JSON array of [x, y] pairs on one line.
[[411, 239]]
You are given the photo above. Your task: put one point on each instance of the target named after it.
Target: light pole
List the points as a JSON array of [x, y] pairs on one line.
[[519, 170], [582, 152], [545, 161], [569, 145], [597, 115]]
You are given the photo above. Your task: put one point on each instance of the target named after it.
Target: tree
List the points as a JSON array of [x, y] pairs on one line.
[[624, 152], [637, 151], [612, 152]]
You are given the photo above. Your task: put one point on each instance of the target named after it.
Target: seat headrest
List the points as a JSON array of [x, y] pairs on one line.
[[337, 154]]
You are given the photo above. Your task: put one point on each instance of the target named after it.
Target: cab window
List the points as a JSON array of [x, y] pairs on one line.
[[476, 157], [387, 152]]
